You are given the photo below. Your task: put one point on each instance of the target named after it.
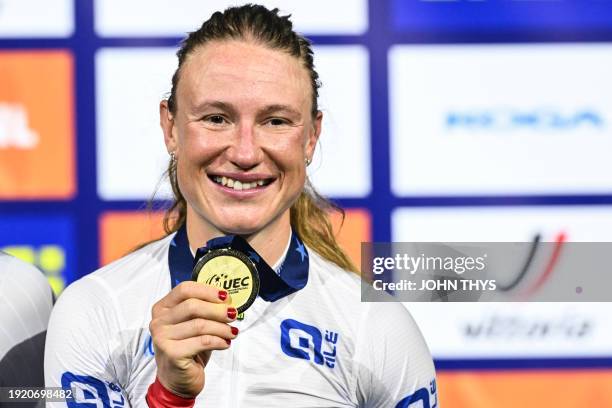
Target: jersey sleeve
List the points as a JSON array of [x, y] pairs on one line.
[[78, 350], [25, 305], [393, 364]]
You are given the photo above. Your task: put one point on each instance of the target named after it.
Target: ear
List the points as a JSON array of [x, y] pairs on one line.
[[166, 121], [313, 135]]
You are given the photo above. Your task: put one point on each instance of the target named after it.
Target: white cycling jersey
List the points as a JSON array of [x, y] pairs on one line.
[[310, 343], [26, 300]]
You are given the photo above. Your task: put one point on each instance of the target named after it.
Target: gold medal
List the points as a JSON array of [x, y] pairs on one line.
[[231, 270]]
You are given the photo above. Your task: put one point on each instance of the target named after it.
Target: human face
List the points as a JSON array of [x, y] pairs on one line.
[[241, 134]]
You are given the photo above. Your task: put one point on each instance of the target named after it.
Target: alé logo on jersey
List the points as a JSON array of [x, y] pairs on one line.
[[88, 391], [15, 131], [426, 397], [304, 341]]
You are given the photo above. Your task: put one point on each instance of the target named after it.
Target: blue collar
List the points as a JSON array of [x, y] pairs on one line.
[[291, 277]]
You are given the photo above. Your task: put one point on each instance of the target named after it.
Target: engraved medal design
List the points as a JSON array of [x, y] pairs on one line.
[[231, 270]]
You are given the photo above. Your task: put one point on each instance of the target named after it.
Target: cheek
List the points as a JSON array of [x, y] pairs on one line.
[[187, 178], [289, 154], [197, 148], [289, 150], [193, 156], [290, 162], [294, 173]]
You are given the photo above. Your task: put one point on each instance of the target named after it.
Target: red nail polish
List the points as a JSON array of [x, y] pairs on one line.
[[231, 313], [222, 295], [234, 331], [228, 341]]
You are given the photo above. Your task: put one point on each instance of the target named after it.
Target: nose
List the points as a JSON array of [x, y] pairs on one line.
[[245, 151]]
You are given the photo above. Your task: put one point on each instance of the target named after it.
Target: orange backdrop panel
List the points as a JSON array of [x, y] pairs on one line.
[[122, 232], [37, 159], [526, 389], [357, 228]]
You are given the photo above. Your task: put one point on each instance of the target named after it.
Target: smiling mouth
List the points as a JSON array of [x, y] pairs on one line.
[[240, 185]]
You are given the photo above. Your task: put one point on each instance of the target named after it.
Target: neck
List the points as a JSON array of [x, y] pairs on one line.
[[270, 242]]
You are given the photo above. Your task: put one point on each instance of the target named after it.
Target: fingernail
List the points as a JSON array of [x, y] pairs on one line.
[[234, 331], [222, 295], [228, 341], [231, 313]]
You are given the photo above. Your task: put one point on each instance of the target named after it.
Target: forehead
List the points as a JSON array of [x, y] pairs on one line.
[[239, 72]]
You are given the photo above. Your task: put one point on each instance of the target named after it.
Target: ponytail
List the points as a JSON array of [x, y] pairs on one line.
[[310, 220]]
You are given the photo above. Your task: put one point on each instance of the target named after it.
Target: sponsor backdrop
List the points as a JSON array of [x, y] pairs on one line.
[[447, 120]]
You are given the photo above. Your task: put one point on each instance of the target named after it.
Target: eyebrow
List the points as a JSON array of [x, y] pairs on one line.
[[216, 105], [232, 111], [280, 108]]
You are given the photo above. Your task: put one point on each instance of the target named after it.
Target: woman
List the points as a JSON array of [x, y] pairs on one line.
[[240, 125]]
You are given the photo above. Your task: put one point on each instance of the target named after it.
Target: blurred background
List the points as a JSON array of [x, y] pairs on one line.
[[444, 120]]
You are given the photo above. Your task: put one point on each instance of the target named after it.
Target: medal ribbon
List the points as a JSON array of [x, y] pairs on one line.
[[291, 276]]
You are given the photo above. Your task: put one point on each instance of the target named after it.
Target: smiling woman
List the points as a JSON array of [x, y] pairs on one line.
[[241, 126], [242, 112]]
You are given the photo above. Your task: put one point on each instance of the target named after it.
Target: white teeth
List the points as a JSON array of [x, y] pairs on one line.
[[236, 184]]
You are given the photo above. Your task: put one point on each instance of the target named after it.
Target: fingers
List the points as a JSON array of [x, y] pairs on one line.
[[186, 325], [188, 289], [189, 338], [200, 327], [176, 350], [198, 309]]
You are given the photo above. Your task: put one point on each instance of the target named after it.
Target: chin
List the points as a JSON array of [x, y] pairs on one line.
[[243, 221], [239, 228]]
